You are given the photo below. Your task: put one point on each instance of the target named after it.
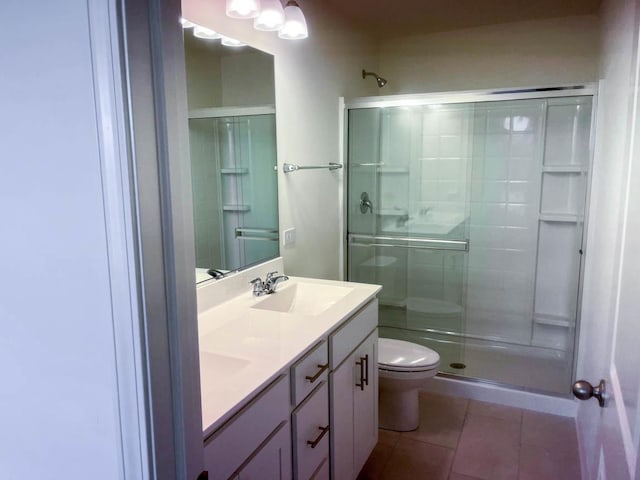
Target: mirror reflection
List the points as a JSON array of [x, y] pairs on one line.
[[232, 138]]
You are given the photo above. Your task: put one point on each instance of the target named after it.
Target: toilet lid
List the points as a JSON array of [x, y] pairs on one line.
[[400, 355]]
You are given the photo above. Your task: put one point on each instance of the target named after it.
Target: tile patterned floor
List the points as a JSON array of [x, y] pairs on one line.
[[472, 440]]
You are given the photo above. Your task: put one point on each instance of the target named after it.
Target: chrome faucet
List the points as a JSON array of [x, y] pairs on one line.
[[269, 285], [272, 281]]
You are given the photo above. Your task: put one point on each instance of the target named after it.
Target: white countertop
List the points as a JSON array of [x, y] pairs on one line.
[[242, 348]]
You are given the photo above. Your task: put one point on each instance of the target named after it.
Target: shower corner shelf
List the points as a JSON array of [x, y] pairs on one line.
[[564, 169], [392, 212], [560, 217], [396, 170], [234, 171], [553, 320], [236, 208]]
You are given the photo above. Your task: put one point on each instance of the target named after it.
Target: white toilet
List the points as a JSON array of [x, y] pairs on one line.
[[403, 368]]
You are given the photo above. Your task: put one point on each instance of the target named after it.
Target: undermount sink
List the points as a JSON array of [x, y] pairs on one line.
[[303, 298]]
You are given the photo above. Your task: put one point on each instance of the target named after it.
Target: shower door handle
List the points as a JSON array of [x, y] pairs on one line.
[[365, 203]]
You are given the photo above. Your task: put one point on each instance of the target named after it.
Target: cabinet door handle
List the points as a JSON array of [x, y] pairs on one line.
[[362, 379], [318, 373], [366, 368], [323, 432]]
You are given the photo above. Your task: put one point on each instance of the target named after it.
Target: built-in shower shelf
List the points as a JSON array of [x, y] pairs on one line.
[[564, 169], [395, 170], [236, 208], [553, 320], [392, 211], [234, 171], [560, 217]]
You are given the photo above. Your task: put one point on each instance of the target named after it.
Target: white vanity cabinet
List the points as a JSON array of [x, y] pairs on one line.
[[354, 393], [246, 437], [316, 421], [272, 459]]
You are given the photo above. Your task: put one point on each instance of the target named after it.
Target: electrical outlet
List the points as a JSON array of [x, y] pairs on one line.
[[289, 236]]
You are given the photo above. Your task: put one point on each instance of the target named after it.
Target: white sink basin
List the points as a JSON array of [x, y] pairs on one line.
[[303, 298]]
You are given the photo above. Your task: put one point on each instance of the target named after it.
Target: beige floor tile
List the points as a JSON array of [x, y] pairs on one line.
[[488, 448], [388, 437], [441, 420], [477, 407], [553, 432], [415, 460], [540, 463], [459, 476], [376, 463]]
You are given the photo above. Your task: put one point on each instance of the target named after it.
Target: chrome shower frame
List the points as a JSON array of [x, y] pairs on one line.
[[473, 96]]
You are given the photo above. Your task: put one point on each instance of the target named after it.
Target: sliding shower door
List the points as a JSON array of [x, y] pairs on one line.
[[471, 217], [408, 219]]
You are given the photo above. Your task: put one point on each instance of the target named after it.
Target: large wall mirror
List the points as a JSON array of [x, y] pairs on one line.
[[232, 136]]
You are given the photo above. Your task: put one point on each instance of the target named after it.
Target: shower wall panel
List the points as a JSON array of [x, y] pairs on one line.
[[507, 157]]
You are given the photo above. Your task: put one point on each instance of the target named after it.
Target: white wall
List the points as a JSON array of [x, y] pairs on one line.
[[310, 76], [225, 76], [532, 53], [58, 394], [609, 171]]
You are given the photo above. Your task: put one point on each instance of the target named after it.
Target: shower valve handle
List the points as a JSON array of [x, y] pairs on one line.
[[365, 203]]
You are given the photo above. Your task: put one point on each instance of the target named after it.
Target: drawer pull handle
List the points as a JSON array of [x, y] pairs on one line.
[[323, 432], [318, 373], [362, 379]]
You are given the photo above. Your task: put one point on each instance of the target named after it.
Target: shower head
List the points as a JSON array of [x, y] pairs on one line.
[[381, 81]]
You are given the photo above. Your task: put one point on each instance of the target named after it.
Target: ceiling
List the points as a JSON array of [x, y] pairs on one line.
[[385, 19]]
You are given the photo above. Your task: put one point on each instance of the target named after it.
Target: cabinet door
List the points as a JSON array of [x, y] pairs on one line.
[[273, 460], [342, 393], [365, 401]]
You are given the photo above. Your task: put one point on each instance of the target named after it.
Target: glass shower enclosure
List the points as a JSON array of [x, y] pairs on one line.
[[469, 210]]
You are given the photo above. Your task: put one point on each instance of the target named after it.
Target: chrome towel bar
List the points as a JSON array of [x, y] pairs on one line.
[[290, 167]]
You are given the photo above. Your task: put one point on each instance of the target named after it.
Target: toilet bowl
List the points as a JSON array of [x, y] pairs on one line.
[[403, 368]]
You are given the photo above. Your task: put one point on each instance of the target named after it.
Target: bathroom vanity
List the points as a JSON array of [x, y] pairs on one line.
[[289, 380]]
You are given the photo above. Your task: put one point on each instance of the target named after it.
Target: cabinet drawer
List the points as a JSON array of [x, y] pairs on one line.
[[352, 333], [311, 433], [309, 372], [227, 448]]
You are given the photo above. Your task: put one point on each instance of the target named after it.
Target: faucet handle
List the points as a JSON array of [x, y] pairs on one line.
[[270, 275], [255, 281]]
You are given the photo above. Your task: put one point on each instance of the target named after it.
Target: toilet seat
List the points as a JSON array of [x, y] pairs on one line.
[[400, 356]]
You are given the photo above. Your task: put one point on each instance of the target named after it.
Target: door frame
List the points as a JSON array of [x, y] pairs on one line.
[[139, 81]]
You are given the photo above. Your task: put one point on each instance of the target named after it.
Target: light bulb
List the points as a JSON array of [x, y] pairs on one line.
[[232, 42], [271, 16], [186, 23], [295, 25], [243, 8], [206, 33]]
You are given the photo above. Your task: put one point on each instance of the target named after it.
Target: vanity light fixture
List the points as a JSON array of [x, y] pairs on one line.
[[186, 23], [295, 25], [232, 42], [243, 8], [206, 33], [271, 16]]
